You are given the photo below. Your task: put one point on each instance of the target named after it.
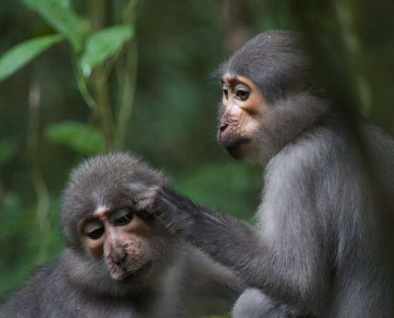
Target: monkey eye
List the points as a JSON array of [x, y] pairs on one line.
[[225, 92], [242, 92], [122, 216], [93, 229]]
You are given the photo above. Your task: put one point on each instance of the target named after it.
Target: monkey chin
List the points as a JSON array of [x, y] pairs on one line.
[[124, 275], [236, 147]]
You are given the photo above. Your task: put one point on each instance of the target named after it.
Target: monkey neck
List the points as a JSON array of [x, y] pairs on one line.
[[288, 119]]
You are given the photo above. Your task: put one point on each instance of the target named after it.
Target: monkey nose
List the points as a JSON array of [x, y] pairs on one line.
[[118, 257], [223, 126]]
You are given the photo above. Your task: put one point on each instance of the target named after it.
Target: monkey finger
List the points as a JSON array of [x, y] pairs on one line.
[[138, 188], [146, 200]]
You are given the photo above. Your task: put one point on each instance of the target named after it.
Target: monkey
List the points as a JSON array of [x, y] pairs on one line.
[[119, 263], [317, 249]]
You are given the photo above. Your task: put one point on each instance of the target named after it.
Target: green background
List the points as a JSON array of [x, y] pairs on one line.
[[164, 72]]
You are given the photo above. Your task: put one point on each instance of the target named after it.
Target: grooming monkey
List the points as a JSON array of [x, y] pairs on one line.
[[323, 239]]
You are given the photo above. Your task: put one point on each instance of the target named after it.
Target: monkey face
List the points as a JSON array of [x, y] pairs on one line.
[[109, 244], [240, 114], [123, 239]]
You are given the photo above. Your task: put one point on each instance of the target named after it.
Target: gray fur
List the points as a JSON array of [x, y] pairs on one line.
[[321, 247], [253, 303], [183, 281]]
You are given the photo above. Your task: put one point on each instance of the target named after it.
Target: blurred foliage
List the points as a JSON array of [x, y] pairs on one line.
[[102, 45], [136, 77], [78, 136], [59, 14], [23, 53]]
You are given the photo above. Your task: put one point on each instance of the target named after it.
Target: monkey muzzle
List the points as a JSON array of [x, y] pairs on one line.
[[234, 146], [130, 271], [127, 262]]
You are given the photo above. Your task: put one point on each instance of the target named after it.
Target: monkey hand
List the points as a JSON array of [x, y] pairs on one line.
[[145, 197], [170, 208]]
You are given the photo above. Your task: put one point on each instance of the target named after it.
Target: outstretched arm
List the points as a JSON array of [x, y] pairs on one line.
[[287, 270], [224, 238]]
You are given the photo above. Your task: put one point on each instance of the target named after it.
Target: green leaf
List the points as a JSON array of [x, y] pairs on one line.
[[77, 136], [102, 45], [61, 16], [23, 53], [7, 149]]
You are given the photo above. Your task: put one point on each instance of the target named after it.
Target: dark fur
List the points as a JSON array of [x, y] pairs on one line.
[[319, 245], [276, 63], [77, 285]]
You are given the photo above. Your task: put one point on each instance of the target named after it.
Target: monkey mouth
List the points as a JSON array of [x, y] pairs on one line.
[[123, 274], [234, 146], [127, 274]]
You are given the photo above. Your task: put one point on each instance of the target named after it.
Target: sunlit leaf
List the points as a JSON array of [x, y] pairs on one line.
[[23, 53], [7, 149], [102, 45], [77, 136], [61, 16]]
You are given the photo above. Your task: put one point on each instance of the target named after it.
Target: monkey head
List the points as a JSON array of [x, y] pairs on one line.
[[102, 228], [267, 96], [242, 108]]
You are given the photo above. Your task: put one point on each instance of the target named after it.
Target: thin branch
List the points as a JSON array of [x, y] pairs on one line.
[[127, 93], [98, 9], [127, 78], [42, 213], [84, 90]]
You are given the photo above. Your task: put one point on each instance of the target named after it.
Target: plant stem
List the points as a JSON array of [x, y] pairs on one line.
[[83, 89], [127, 78], [98, 9], [40, 187]]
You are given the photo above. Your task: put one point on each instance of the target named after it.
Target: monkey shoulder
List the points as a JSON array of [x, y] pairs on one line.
[[313, 157], [50, 293], [308, 178], [41, 289]]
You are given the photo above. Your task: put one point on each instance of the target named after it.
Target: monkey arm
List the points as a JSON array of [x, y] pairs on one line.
[[224, 238], [213, 232], [257, 262]]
